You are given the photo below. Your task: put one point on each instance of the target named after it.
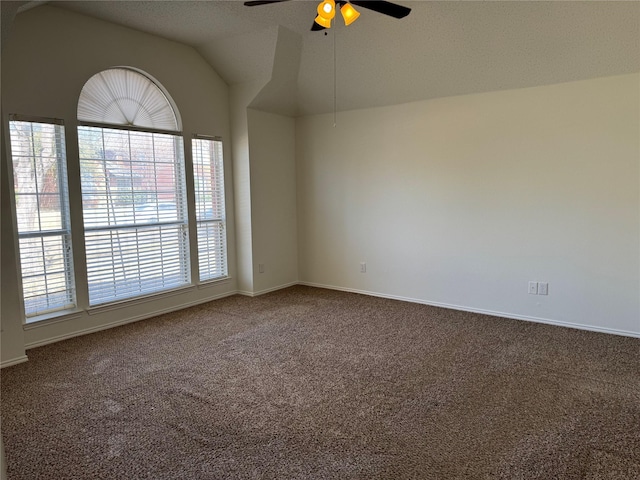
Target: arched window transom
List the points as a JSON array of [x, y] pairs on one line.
[[122, 96]]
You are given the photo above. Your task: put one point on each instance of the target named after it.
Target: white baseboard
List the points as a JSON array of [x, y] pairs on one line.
[[14, 361], [86, 331], [144, 316], [106, 326], [511, 316], [268, 290]]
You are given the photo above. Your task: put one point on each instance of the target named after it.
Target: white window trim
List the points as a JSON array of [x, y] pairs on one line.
[[184, 223], [51, 314], [222, 220]]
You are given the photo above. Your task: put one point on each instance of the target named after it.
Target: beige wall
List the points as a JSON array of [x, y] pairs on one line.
[[241, 95], [273, 200], [264, 173], [50, 54], [265, 189], [462, 201], [12, 335]]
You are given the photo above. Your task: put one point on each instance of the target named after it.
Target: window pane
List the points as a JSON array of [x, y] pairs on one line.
[[134, 207], [125, 263], [210, 209], [212, 255], [41, 199]]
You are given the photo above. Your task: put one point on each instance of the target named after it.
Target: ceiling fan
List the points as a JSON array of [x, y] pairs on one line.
[[327, 10]]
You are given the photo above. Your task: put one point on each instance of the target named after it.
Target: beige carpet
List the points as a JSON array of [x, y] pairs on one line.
[[308, 383]]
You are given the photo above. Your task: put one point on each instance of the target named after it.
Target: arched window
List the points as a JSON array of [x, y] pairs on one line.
[[122, 96], [134, 199], [134, 193]]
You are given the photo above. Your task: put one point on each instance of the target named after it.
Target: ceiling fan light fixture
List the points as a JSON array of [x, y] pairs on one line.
[[349, 14], [327, 9], [323, 22]]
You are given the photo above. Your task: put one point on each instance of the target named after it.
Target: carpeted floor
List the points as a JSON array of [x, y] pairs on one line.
[[307, 383]]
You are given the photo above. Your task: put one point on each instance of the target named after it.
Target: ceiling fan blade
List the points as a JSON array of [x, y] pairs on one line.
[[316, 28], [387, 8], [255, 3]]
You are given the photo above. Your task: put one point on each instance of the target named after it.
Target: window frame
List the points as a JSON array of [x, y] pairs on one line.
[[74, 217], [222, 221], [127, 99], [182, 221], [65, 232]]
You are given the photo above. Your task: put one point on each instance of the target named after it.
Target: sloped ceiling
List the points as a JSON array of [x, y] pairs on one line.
[[8, 11], [440, 49]]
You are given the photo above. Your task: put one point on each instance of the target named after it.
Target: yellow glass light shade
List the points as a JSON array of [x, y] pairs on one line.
[[349, 13], [327, 9], [323, 22]]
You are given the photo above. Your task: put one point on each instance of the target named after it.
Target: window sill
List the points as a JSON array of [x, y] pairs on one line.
[[214, 282], [76, 313], [98, 309], [51, 318]]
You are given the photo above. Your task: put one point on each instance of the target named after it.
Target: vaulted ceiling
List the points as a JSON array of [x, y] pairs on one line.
[[441, 49]]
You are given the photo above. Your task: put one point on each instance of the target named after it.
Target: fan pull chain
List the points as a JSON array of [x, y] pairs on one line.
[[335, 83]]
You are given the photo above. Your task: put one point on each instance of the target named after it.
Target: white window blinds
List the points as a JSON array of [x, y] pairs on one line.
[[122, 96], [134, 206], [42, 212], [210, 209]]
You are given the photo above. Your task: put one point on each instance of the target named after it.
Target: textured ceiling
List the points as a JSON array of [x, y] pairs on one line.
[[440, 49]]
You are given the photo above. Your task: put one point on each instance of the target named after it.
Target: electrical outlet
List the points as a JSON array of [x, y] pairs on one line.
[[363, 267], [533, 288], [543, 288], [261, 268]]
